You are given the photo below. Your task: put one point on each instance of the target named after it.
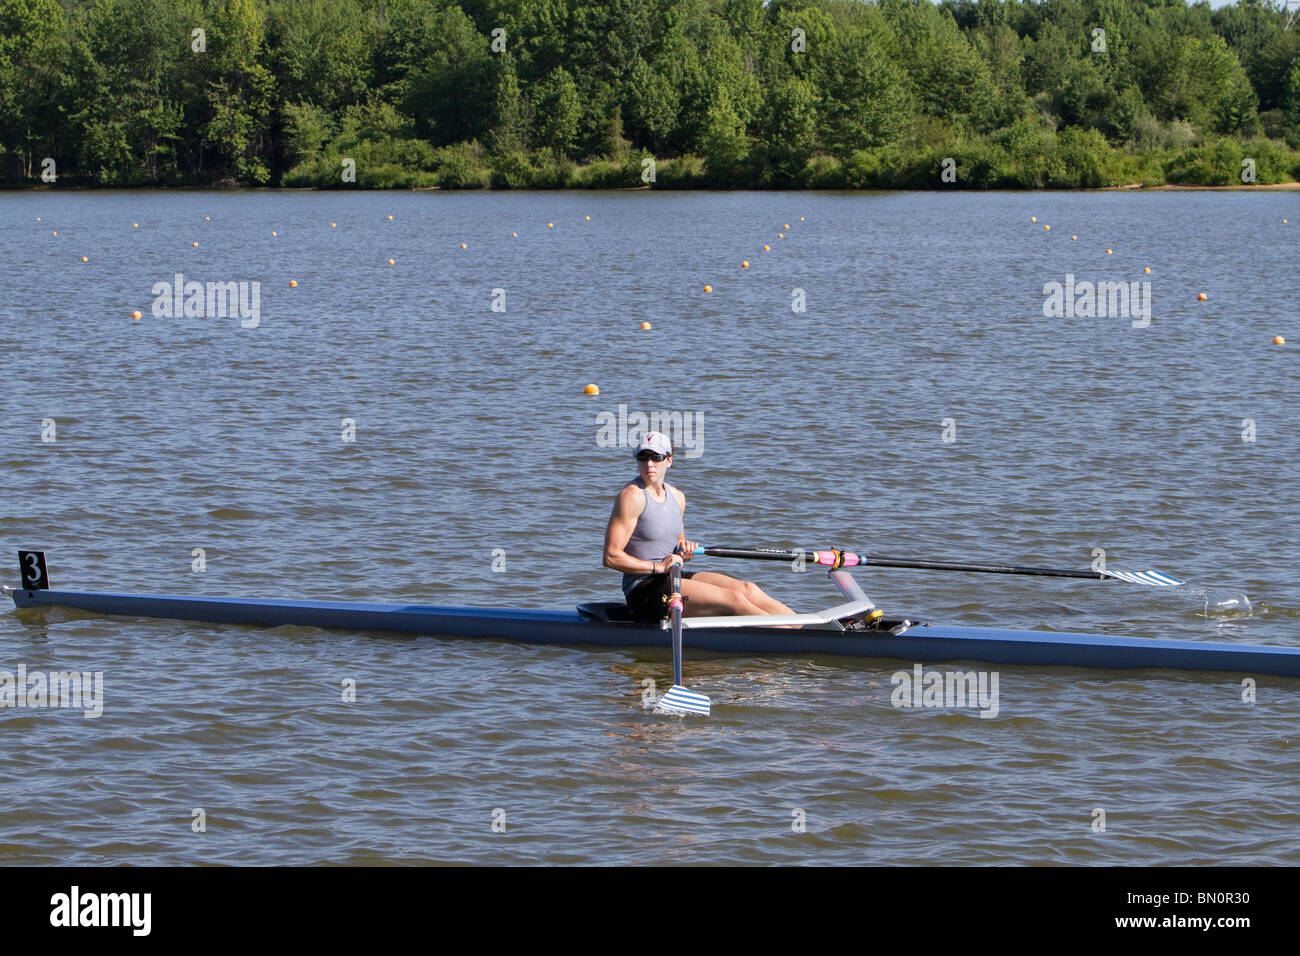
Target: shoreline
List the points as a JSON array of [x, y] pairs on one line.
[[1126, 187], [1179, 187]]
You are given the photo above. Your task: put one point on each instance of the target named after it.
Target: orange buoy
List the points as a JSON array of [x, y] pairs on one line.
[[84, 259], [390, 262], [135, 314], [293, 283], [1146, 269], [708, 288], [744, 264], [591, 390], [645, 326], [767, 248], [1278, 340], [1201, 297]]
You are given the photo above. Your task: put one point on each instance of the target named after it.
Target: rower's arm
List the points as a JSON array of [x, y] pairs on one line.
[[622, 522]]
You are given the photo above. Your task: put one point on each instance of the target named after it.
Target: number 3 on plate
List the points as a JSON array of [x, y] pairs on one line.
[[31, 566]]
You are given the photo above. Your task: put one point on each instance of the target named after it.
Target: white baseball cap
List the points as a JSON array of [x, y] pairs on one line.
[[656, 442]]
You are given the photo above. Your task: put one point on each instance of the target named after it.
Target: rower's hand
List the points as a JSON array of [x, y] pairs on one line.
[[688, 548], [669, 561]]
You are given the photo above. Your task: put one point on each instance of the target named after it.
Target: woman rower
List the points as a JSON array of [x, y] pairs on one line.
[[645, 528]]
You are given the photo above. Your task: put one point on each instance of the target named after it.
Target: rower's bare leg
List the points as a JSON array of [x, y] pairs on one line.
[[709, 600], [751, 592]]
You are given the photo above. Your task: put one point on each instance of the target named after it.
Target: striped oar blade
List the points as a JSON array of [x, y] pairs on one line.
[[1154, 578], [682, 701]]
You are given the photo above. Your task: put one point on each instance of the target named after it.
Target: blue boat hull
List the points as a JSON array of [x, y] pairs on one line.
[[921, 643]]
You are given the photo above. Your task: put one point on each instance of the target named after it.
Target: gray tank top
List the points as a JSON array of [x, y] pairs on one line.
[[655, 534]]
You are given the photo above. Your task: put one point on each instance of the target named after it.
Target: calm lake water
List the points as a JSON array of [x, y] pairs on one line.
[[921, 405]]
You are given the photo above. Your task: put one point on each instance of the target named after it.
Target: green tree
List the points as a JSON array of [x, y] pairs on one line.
[[239, 96], [787, 131], [557, 111], [134, 91], [509, 131], [948, 78], [1002, 49], [864, 95], [445, 91], [651, 104], [321, 52], [32, 51]]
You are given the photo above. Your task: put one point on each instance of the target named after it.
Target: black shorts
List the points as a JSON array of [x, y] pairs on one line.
[[647, 601]]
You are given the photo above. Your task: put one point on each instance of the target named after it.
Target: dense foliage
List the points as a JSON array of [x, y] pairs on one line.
[[528, 93]]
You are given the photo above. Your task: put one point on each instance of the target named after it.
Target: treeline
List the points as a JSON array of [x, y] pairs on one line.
[[734, 93]]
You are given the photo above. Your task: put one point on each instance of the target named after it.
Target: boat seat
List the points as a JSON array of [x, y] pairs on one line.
[[612, 611]]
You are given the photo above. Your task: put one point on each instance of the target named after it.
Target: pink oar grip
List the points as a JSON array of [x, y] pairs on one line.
[[827, 558]]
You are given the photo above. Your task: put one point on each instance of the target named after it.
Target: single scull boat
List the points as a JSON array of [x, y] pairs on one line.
[[851, 629]]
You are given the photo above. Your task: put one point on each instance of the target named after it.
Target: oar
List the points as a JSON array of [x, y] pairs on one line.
[[834, 558], [679, 699]]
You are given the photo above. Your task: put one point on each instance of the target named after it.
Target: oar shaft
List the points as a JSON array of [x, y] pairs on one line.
[[849, 560], [986, 568], [675, 616]]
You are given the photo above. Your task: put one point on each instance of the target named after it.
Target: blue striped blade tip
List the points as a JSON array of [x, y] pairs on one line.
[[1154, 578], [687, 701]]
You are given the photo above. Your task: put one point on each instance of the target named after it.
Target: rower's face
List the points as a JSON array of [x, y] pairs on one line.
[[650, 469]]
